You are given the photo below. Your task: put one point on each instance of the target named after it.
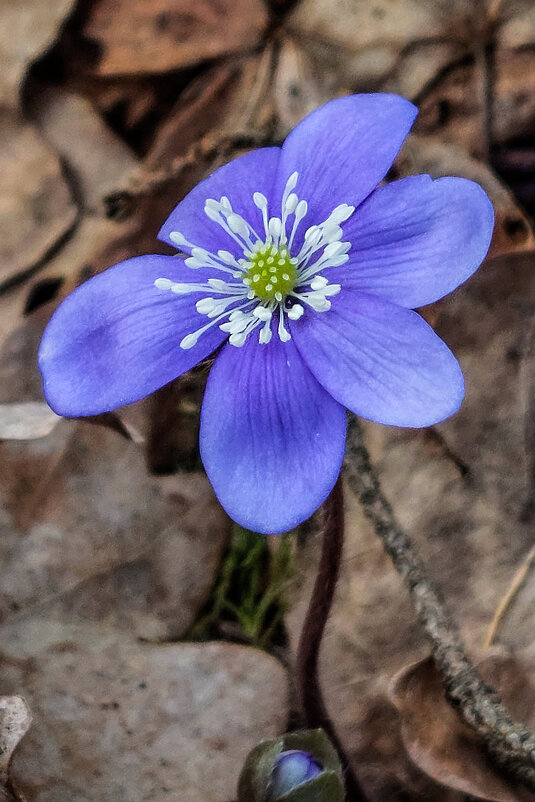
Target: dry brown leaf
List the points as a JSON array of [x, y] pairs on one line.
[[363, 44], [98, 160], [138, 37], [116, 719], [91, 510], [440, 743], [36, 208], [28, 28], [226, 100]]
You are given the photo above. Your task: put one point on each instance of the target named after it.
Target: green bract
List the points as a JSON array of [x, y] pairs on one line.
[[254, 782]]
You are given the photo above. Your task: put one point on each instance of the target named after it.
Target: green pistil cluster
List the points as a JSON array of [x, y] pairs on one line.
[[272, 273]]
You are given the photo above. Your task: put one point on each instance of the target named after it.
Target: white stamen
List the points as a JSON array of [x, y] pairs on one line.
[[262, 313], [239, 310], [284, 334], [163, 283], [265, 333], [274, 228], [179, 239], [295, 312]]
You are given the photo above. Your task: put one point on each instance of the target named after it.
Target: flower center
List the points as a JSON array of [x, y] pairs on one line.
[[274, 281], [272, 272]]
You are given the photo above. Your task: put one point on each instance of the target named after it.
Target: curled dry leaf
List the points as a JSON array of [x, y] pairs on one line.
[[444, 747], [136, 36]]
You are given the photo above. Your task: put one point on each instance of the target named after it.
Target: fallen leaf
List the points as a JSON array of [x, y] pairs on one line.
[[36, 208], [440, 743], [116, 719], [98, 160], [139, 37]]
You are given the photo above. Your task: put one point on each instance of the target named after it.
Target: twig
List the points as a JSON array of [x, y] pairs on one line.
[[518, 580], [479, 706], [307, 674], [120, 203]]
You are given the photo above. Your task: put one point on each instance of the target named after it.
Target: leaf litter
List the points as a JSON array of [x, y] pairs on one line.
[[113, 546]]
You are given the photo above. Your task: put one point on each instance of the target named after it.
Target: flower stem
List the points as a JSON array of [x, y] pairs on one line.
[[478, 705], [307, 668]]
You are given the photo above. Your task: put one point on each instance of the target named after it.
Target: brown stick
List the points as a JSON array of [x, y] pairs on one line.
[[477, 704], [307, 668]]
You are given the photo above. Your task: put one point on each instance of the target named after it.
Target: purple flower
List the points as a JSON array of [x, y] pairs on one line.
[[292, 769], [305, 274]]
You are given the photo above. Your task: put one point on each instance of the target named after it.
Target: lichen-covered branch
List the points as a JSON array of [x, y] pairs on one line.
[[478, 704]]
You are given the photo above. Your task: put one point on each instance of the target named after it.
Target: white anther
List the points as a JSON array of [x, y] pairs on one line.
[[318, 282], [236, 325], [295, 312], [260, 200], [301, 209], [177, 238], [205, 306], [237, 224], [275, 227], [262, 313], [194, 263], [332, 233], [163, 283], [190, 340], [238, 339], [313, 234], [291, 203], [225, 204], [341, 213], [213, 214], [219, 285], [292, 182], [227, 257]]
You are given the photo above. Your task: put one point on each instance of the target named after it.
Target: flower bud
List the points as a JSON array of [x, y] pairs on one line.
[[297, 767], [291, 769]]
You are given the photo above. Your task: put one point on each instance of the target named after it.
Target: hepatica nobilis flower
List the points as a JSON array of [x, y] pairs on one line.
[[304, 274]]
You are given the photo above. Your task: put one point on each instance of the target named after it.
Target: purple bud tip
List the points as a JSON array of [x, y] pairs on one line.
[[291, 769]]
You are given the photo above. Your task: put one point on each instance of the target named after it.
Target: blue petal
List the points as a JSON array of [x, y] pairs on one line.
[[415, 240], [380, 360], [344, 149], [238, 181], [272, 440], [116, 338]]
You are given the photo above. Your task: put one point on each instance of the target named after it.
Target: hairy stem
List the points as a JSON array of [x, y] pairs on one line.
[[478, 704], [307, 668]]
